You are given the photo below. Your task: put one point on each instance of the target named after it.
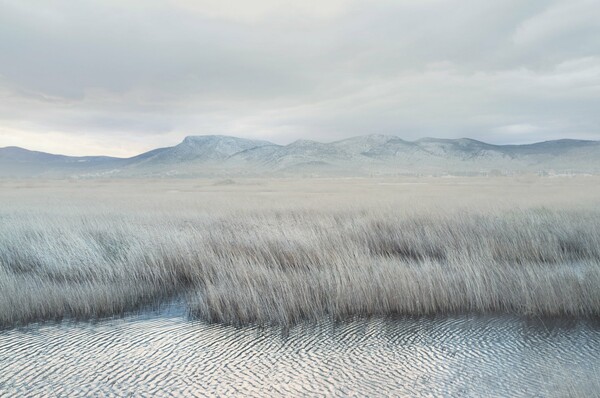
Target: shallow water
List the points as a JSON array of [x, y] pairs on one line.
[[164, 354]]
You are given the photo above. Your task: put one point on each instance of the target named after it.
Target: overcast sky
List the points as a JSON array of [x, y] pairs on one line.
[[121, 77]]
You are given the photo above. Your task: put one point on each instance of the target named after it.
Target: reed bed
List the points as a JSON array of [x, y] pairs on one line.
[[294, 264]]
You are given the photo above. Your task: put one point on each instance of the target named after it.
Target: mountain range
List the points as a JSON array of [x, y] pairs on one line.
[[372, 155]]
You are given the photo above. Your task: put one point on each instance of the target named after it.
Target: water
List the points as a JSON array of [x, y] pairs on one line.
[[167, 355]]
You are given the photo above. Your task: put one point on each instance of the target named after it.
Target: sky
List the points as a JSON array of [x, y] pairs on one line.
[[121, 77]]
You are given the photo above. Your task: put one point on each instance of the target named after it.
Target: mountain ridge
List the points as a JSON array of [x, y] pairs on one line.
[[375, 154]]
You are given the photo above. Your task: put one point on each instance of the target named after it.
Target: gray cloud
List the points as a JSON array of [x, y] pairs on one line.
[[121, 77]]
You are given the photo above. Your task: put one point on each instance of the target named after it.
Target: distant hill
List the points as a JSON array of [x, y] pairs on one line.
[[219, 156]]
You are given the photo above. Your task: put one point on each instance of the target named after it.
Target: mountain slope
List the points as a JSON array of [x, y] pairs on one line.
[[19, 162], [199, 149], [217, 156]]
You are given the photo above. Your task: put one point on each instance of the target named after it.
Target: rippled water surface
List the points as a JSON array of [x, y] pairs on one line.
[[167, 355]]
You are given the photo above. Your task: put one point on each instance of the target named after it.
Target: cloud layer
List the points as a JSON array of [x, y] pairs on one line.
[[120, 77]]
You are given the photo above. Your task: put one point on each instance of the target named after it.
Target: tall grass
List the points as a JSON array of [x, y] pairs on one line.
[[289, 265]]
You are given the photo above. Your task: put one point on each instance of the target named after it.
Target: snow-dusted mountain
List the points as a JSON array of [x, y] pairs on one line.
[[199, 149], [217, 156]]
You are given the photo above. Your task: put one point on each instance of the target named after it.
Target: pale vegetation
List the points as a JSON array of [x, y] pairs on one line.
[[255, 258]]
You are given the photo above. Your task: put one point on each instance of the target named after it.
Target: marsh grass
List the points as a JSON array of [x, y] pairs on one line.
[[290, 265]]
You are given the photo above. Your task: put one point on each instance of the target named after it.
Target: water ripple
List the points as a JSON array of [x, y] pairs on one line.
[[167, 355]]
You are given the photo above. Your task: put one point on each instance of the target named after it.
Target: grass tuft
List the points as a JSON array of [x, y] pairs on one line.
[[289, 266]]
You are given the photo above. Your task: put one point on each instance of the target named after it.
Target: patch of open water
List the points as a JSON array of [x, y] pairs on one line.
[[165, 354]]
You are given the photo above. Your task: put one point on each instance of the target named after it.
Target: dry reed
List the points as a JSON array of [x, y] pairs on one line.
[[290, 265]]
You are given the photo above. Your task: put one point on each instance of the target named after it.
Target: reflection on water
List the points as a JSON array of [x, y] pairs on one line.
[[167, 355]]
